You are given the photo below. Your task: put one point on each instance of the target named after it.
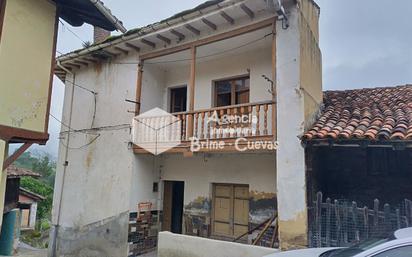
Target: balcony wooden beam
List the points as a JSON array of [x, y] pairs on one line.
[[209, 23], [192, 82], [149, 43], [164, 39], [131, 46], [248, 11], [179, 35], [192, 29], [227, 17], [139, 83]]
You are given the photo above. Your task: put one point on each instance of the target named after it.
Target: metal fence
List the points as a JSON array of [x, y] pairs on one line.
[[343, 223]]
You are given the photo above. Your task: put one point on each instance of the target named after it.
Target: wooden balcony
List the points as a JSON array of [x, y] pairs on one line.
[[222, 129]]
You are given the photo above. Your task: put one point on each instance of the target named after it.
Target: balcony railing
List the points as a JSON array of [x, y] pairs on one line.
[[243, 120], [250, 121]]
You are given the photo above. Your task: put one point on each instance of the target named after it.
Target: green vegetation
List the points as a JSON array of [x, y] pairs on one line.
[[42, 186]]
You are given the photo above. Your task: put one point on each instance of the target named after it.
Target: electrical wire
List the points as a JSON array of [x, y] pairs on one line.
[[71, 31], [83, 146]]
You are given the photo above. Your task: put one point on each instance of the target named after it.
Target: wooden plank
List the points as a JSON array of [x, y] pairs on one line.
[[227, 17], [398, 219], [164, 39], [192, 29], [209, 23], [274, 79], [211, 39], [139, 87], [123, 51], [248, 11], [179, 35], [192, 82], [136, 48], [338, 223], [328, 216], [345, 223], [149, 43], [81, 63], [387, 218], [319, 218], [355, 221], [15, 155], [366, 221], [375, 215]]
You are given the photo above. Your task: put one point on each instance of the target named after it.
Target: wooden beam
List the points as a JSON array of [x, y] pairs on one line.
[[192, 29], [192, 83], [211, 39], [81, 63], [227, 17], [178, 34], [139, 83], [15, 155], [136, 48], [209, 23], [149, 43], [73, 65], [274, 79], [91, 60], [121, 50], [164, 39], [248, 11]]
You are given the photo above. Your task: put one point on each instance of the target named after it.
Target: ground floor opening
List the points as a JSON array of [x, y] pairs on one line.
[[357, 192], [219, 196]]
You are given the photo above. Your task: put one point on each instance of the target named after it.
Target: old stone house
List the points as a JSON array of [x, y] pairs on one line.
[[252, 57]]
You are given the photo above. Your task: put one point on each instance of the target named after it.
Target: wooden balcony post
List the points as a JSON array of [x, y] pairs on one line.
[[192, 82], [274, 78], [139, 87]]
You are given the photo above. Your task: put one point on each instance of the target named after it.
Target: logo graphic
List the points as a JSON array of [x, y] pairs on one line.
[[156, 131]]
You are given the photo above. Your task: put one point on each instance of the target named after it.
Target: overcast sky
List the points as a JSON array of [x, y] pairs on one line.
[[364, 43]]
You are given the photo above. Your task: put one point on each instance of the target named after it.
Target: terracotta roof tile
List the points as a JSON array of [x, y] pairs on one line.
[[15, 172], [373, 114]]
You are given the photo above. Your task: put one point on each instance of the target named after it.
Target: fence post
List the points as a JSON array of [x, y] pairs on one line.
[[345, 223], [318, 219], [328, 213], [338, 223], [355, 220], [366, 220], [375, 216], [398, 219], [387, 218]]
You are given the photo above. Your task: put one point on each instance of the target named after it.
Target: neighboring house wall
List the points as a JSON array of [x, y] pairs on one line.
[[93, 215], [299, 93]]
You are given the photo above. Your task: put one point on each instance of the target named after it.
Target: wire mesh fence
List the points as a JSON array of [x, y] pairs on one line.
[[342, 223]]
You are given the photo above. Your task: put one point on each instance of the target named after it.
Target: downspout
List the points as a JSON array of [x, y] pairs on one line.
[[115, 21], [65, 164]]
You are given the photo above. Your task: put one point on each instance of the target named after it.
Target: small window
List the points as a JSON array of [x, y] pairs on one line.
[[232, 91]]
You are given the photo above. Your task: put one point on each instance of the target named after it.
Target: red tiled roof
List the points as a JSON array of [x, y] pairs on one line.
[[15, 172], [375, 114]]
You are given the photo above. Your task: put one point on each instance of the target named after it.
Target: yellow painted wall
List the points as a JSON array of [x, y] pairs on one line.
[[25, 61], [310, 61], [3, 179]]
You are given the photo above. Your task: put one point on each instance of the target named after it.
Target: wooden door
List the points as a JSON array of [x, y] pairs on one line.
[[230, 210], [167, 206]]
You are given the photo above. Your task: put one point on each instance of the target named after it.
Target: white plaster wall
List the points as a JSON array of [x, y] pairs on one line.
[[291, 183], [201, 170], [173, 245], [98, 174], [33, 215], [255, 58]]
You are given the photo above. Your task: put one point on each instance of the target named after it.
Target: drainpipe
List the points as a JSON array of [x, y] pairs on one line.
[[65, 164], [115, 21]]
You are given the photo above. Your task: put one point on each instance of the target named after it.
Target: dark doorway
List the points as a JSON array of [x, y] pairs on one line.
[[178, 99], [173, 206]]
